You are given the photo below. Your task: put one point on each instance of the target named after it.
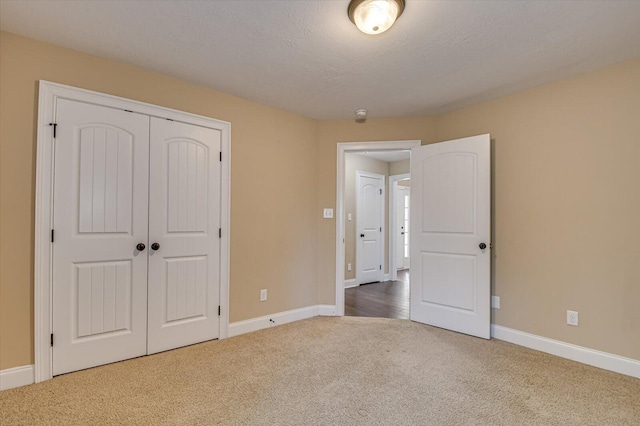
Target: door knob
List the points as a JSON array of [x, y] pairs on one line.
[[483, 246], [140, 247], [361, 235], [155, 246]]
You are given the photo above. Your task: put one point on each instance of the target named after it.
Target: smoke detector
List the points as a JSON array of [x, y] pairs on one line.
[[361, 115]]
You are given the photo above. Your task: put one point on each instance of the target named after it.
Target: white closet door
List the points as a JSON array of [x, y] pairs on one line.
[[100, 215], [184, 218]]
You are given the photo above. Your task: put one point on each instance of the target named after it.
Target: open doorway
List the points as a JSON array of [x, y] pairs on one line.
[[360, 290], [450, 235]]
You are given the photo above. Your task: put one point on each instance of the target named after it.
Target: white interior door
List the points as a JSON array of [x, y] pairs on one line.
[[402, 227], [399, 225], [100, 215], [369, 224], [450, 230], [184, 219], [407, 231]]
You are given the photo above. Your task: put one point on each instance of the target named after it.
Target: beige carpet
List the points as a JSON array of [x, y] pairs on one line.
[[334, 371]]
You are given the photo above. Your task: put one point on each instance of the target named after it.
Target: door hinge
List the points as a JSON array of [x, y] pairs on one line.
[[221, 156], [52, 339], [55, 127], [127, 110], [381, 229], [219, 232], [380, 191], [218, 310], [381, 267], [52, 234]]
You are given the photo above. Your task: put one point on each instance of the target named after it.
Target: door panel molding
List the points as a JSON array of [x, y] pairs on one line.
[[48, 96]]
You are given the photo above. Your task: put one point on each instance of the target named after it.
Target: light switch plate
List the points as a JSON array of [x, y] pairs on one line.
[[349, 217], [495, 302], [327, 214]]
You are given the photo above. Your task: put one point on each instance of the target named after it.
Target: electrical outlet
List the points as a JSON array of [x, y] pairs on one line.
[[263, 295], [348, 266], [495, 302], [572, 318], [349, 217], [327, 213]]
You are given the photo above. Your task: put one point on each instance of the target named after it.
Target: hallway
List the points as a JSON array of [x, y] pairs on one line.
[[387, 299]]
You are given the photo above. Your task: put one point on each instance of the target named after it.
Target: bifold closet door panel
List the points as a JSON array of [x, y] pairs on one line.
[[184, 218], [100, 215]]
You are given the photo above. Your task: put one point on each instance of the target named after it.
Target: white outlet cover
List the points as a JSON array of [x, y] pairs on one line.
[[348, 266], [327, 214], [572, 318], [349, 217], [263, 295]]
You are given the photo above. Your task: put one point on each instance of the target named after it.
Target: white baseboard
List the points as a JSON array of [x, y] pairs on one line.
[[350, 283], [255, 324], [604, 360], [16, 377], [327, 310], [387, 277]]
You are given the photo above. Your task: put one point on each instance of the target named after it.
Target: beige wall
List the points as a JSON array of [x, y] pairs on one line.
[[566, 206], [567, 198], [352, 164], [273, 204], [399, 167]]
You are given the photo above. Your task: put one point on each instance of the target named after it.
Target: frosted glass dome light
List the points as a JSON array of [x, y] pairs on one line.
[[375, 16]]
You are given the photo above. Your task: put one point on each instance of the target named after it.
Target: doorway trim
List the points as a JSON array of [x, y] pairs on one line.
[[359, 175], [48, 95], [393, 241], [342, 149]]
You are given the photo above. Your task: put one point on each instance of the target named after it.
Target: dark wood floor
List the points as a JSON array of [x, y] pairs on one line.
[[388, 299]]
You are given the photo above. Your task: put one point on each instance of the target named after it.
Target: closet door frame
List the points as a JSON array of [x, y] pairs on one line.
[[49, 93]]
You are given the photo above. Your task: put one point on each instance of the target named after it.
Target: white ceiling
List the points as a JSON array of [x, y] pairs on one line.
[[307, 57], [389, 156]]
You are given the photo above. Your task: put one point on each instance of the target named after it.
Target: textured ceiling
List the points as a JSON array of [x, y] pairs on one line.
[[307, 57]]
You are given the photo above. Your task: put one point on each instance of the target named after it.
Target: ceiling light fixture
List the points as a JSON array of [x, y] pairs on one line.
[[375, 16]]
